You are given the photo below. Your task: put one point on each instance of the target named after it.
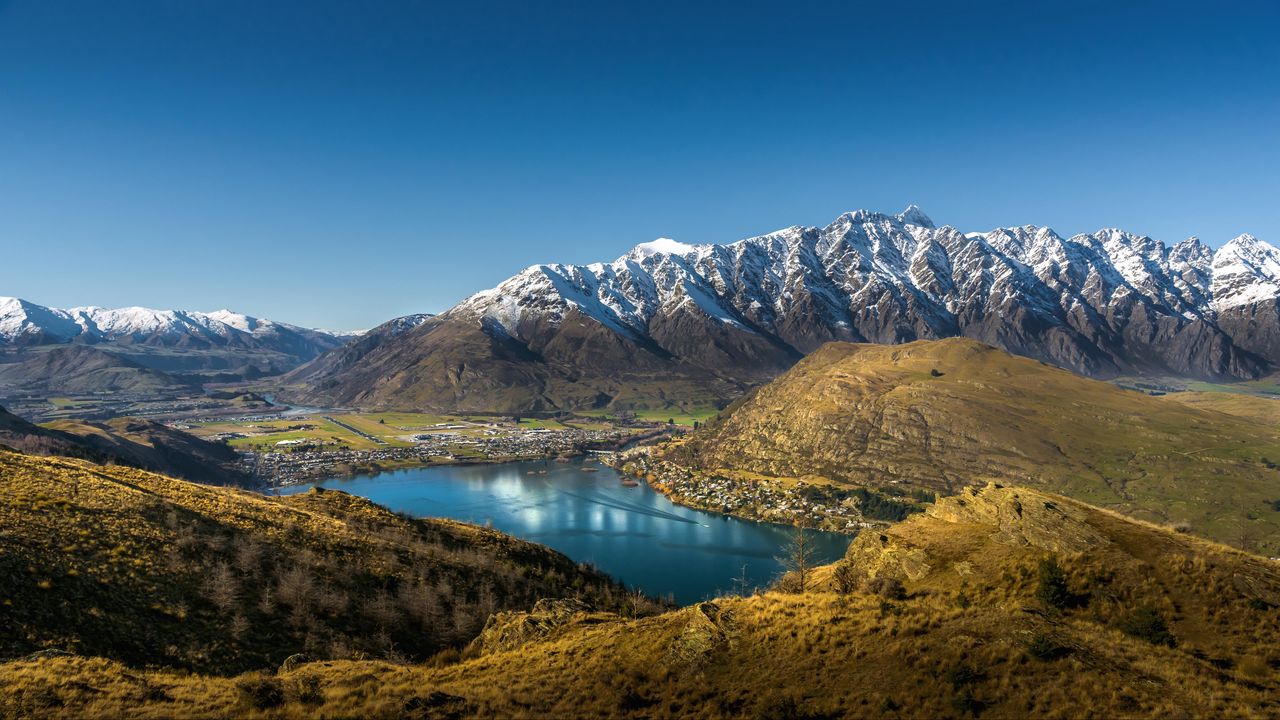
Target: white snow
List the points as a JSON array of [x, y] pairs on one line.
[[665, 246], [1245, 271], [864, 263], [20, 318]]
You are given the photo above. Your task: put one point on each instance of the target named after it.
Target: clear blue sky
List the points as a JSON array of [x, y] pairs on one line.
[[340, 163]]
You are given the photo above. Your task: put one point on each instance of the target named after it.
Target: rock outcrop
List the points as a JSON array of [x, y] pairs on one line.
[[549, 617]]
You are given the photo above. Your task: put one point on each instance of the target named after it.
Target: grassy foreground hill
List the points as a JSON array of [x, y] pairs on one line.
[[120, 563], [1003, 602], [942, 415]]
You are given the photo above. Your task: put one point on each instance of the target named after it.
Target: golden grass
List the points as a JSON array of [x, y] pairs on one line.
[[877, 415], [126, 564], [970, 637]]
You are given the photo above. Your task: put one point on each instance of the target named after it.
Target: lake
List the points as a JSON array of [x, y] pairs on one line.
[[633, 533]]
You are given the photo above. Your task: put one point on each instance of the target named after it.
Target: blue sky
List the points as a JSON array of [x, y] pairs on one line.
[[340, 163]]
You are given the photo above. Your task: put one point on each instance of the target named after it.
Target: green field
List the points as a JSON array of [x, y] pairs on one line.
[[273, 432], [393, 428], [1264, 387]]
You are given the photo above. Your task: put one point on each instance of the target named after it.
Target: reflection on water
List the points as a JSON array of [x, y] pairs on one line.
[[633, 533]]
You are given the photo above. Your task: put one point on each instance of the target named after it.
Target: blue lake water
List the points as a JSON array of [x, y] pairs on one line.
[[632, 533]]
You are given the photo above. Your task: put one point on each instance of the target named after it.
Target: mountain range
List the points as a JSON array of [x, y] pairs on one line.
[[169, 341], [670, 322]]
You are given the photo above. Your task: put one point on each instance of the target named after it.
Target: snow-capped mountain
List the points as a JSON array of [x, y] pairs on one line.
[[1103, 304], [25, 323], [217, 345]]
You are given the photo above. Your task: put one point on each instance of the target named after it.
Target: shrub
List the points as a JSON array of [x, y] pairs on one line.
[[260, 691], [845, 578], [879, 507], [784, 707], [962, 675], [307, 689], [1147, 624], [965, 703], [1043, 647], [1052, 589], [886, 587]]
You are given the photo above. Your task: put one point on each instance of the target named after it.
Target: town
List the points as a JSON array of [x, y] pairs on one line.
[[823, 507], [306, 462], [280, 449]]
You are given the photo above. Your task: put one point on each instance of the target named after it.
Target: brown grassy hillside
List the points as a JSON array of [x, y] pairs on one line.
[[156, 447], [125, 564], [945, 615], [945, 414]]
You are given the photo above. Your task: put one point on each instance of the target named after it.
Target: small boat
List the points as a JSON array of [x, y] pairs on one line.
[[590, 469], [628, 482]]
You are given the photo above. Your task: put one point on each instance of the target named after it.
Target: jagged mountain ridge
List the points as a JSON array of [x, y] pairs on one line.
[[724, 316]]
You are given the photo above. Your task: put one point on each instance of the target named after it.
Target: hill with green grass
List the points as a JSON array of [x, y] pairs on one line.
[[942, 415], [1001, 602]]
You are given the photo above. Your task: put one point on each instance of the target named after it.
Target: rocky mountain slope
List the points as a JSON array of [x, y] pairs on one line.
[[1003, 602], [152, 571], [83, 370], [168, 340], [717, 318], [941, 415]]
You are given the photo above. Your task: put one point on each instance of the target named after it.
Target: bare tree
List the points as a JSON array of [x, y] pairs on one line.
[[798, 557], [846, 578], [741, 585], [636, 600], [248, 555], [295, 587], [222, 588]]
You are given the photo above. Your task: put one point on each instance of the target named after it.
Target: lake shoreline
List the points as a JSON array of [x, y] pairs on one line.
[[633, 532]]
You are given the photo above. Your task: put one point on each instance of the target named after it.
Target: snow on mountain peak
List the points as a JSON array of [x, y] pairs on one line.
[[663, 246], [239, 321], [1245, 271], [913, 215], [24, 320], [865, 263]]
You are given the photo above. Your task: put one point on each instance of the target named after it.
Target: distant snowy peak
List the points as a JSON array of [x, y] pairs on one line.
[[1245, 271], [239, 321], [664, 246], [26, 323], [913, 215]]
